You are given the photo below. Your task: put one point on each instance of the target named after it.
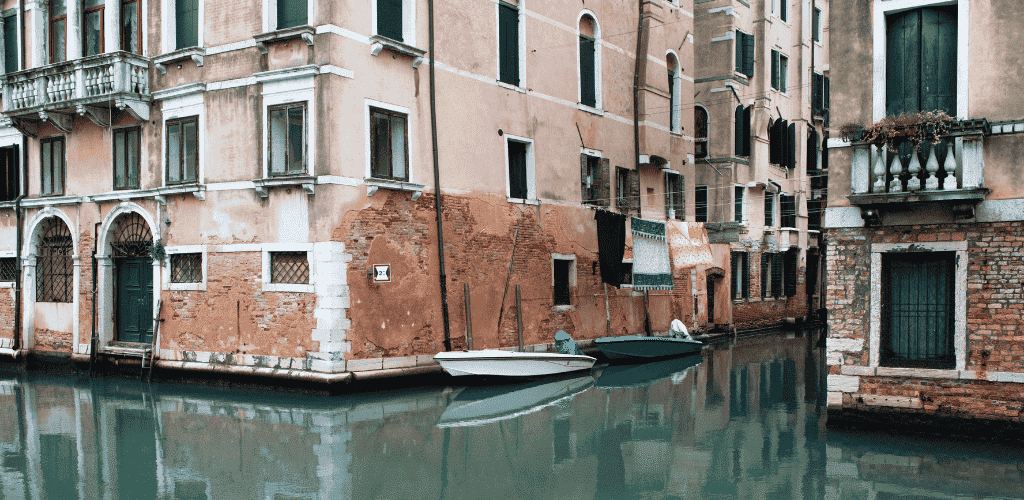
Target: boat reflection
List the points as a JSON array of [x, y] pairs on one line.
[[482, 405], [645, 374]]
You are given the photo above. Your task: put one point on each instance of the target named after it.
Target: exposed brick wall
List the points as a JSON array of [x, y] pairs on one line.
[[50, 340], [7, 313], [235, 316], [403, 317], [755, 312], [960, 398]]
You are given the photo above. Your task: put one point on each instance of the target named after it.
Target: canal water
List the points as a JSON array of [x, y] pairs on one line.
[[743, 420]]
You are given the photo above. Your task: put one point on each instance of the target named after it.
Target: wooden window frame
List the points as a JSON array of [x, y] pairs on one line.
[[739, 193], [51, 30], [700, 131], [305, 143], [138, 25], [138, 160], [102, 33], [373, 139], [181, 149], [701, 209], [53, 167]]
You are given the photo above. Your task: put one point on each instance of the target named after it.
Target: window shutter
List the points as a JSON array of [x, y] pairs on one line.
[[788, 209], [903, 63], [746, 275], [938, 59], [738, 135], [748, 55], [783, 10], [775, 69], [586, 195], [668, 195], [791, 142], [588, 92], [816, 93], [604, 189], [790, 264], [680, 196], [824, 93], [10, 44], [773, 143], [734, 275], [389, 19], [777, 275], [769, 209], [765, 260], [508, 42], [746, 130], [701, 203], [812, 152]]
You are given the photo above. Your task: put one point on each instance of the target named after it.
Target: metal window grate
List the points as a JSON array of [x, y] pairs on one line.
[[8, 269], [187, 268], [289, 267], [53, 262], [132, 237]]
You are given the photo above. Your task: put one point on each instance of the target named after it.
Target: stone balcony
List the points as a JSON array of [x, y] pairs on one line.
[[91, 86], [950, 171]]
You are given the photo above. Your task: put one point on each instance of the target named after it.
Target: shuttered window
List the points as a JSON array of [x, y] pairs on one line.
[[11, 58], [508, 43], [10, 185], [769, 209], [517, 183], [745, 53], [783, 10], [595, 181], [789, 263], [788, 206], [740, 275], [389, 19], [775, 69], [814, 211], [777, 274], [627, 186], [738, 204], [186, 23], [588, 87], [816, 25], [791, 146], [766, 265], [700, 132], [780, 67], [674, 200], [742, 130], [701, 203], [781, 143], [921, 61]]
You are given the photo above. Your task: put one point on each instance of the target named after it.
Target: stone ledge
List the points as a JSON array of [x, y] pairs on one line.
[[891, 401], [402, 362], [360, 365]]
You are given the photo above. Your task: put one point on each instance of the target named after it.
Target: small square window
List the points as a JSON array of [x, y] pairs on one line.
[[182, 150], [8, 269], [187, 268], [627, 273], [389, 149], [289, 267], [287, 136]]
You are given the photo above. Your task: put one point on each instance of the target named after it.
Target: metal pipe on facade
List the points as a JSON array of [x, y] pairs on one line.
[[437, 184], [95, 261], [16, 334]]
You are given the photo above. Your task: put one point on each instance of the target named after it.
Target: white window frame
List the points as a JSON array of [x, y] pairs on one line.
[[408, 21], [959, 298], [675, 115], [270, 16], [531, 180], [521, 8], [284, 89], [169, 20], [598, 42], [883, 7], [572, 279], [168, 284], [368, 133], [268, 248]]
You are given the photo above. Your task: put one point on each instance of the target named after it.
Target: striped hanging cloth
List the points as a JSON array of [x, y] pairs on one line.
[[652, 269]]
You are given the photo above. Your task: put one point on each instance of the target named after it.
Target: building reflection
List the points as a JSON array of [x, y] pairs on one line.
[[740, 421]]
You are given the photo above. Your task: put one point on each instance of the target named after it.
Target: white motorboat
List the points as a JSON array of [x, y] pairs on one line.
[[494, 362]]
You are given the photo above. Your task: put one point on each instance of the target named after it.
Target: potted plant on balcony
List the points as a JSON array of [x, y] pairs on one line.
[[915, 128]]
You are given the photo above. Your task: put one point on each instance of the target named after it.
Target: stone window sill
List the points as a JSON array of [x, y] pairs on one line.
[[196, 54], [262, 186], [589, 109], [305, 32], [373, 184], [379, 43], [511, 87], [563, 308], [523, 201]]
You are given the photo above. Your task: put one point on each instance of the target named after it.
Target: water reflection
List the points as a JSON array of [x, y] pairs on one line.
[[740, 421]]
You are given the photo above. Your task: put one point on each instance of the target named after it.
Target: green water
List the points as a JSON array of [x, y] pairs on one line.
[[744, 420]]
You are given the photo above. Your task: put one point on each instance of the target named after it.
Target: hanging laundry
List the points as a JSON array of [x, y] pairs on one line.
[[652, 269], [611, 243]]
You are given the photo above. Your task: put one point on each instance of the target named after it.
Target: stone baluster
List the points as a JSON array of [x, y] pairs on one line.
[[896, 168], [860, 176], [879, 171], [949, 184], [914, 168], [932, 167]]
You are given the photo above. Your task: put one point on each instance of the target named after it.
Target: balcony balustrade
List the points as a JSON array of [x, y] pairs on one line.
[[951, 170], [89, 86]]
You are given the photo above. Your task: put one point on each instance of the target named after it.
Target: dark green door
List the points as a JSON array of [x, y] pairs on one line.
[[135, 300]]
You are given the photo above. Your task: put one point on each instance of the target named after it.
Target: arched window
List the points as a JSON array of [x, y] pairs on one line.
[[54, 267], [590, 62], [673, 92], [700, 131], [132, 238]]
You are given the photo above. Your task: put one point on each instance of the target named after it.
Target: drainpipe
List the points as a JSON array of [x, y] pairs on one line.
[[437, 185], [16, 341], [95, 261]]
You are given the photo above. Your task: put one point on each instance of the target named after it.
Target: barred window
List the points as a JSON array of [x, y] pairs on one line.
[[187, 268], [8, 269], [289, 267], [53, 262]]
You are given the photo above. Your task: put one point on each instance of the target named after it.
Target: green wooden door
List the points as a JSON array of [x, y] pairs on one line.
[[135, 300], [921, 61]]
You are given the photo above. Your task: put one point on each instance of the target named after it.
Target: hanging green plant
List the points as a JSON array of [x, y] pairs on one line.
[[157, 252]]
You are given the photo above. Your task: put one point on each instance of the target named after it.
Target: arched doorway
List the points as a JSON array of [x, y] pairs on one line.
[[130, 251]]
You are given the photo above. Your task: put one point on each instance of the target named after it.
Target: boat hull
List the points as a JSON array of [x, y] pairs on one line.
[[636, 346], [511, 364]]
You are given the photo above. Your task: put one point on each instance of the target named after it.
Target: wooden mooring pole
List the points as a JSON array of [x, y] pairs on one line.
[[469, 318], [519, 317]]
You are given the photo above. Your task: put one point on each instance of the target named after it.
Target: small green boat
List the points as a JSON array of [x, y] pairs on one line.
[[641, 346]]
